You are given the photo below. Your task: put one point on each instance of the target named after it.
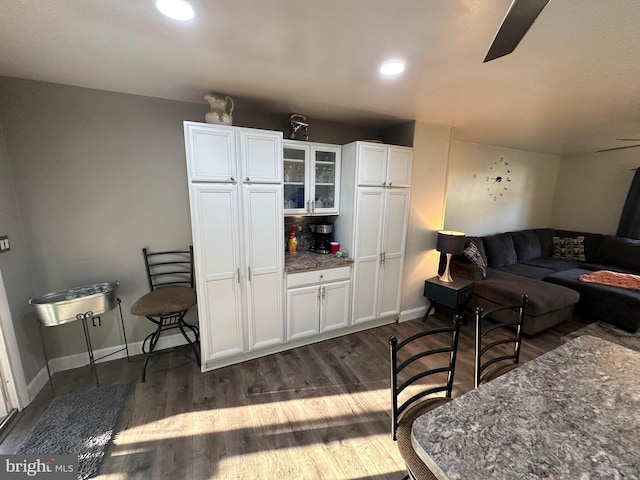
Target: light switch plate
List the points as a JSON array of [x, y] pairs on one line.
[[4, 243]]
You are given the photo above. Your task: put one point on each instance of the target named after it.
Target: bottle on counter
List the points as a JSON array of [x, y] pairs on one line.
[[293, 242]]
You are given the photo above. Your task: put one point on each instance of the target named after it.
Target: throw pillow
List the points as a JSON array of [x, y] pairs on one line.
[[474, 256], [568, 248]]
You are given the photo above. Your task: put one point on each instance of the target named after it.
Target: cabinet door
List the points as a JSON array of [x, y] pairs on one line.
[[215, 218], [399, 169], [368, 225], [264, 263], [335, 305], [296, 179], [396, 209], [211, 153], [372, 164], [326, 179], [261, 153], [303, 311]]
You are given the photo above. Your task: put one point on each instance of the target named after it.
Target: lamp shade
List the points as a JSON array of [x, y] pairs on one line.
[[450, 242]]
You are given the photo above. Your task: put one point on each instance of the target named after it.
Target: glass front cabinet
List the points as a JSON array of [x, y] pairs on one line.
[[311, 173]]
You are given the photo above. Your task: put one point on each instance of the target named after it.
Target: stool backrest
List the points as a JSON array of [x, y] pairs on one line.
[[440, 345], [169, 268], [496, 328]]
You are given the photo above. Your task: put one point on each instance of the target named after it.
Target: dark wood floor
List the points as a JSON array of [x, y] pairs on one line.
[[316, 412]]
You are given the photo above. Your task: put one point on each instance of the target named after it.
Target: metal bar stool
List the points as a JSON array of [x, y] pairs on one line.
[[172, 295]]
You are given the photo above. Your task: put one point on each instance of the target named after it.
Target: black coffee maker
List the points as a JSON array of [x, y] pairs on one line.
[[322, 237]]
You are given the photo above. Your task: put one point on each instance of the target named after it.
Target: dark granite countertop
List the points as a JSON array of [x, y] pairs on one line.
[[305, 261], [571, 413]]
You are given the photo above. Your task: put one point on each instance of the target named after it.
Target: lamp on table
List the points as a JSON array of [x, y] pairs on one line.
[[449, 243]]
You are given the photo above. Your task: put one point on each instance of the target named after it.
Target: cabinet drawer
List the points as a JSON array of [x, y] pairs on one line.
[[318, 276]]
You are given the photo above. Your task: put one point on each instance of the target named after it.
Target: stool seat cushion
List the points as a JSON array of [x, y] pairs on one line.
[[165, 300]]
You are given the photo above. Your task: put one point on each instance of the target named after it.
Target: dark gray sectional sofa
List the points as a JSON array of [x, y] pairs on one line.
[[521, 262]]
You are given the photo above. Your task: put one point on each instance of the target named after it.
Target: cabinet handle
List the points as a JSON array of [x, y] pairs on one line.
[[384, 184], [309, 206], [390, 183], [384, 257], [318, 294], [380, 257], [238, 275], [324, 291], [233, 179], [249, 273], [247, 179]]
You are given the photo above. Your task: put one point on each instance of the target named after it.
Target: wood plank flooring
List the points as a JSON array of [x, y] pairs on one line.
[[315, 412]]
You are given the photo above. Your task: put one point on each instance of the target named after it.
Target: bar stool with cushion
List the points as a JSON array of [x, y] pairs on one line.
[[498, 340], [172, 295], [429, 359]]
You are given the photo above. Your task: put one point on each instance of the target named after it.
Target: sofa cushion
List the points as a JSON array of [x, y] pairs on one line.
[[544, 236], [474, 255], [618, 252], [529, 271], [500, 250], [554, 264], [591, 241], [527, 244], [568, 248], [504, 288]]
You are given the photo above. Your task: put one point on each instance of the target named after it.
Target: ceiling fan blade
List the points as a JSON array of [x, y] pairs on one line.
[[521, 15], [617, 148]]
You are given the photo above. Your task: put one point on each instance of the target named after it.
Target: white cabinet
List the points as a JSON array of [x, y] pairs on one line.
[[383, 165], [373, 226], [318, 301], [311, 173], [237, 224], [213, 153]]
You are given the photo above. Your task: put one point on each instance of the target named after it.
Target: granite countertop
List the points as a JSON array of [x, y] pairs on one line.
[[304, 261], [573, 412]]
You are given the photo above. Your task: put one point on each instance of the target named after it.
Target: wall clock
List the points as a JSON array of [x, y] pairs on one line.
[[498, 179]]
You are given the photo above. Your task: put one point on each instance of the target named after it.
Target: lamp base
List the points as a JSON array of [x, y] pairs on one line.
[[446, 275]]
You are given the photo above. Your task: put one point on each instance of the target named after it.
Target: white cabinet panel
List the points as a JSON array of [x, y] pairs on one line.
[[219, 293], [264, 257], [335, 305], [365, 289], [261, 156], [370, 202], [303, 308], [390, 282], [372, 165], [211, 153], [399, 171]]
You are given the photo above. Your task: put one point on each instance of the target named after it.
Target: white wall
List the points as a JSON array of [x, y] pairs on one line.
[[591, 190], [526, 204], [428, 180]]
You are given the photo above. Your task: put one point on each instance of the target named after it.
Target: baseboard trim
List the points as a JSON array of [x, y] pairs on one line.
[[76, 360], [412, 314]]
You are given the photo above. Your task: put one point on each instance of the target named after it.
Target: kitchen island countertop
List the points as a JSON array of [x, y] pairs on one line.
[[305, 261]]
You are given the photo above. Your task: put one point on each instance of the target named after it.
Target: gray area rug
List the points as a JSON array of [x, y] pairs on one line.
[[78, 424], [608, 332]]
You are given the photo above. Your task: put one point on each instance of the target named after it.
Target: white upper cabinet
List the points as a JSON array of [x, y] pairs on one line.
[[311, 173], [213, 152], [262, 157], [383, 165]]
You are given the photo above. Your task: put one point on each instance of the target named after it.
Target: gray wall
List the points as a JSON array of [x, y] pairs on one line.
[[95, 176]]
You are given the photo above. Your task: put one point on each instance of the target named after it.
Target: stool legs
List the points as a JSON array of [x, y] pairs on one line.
[[165, 323]]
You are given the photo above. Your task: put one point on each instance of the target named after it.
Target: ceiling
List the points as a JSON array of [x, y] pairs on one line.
[[571, 86]]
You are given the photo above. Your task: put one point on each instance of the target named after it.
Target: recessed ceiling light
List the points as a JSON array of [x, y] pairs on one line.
[[392, 68], [176, 9]]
